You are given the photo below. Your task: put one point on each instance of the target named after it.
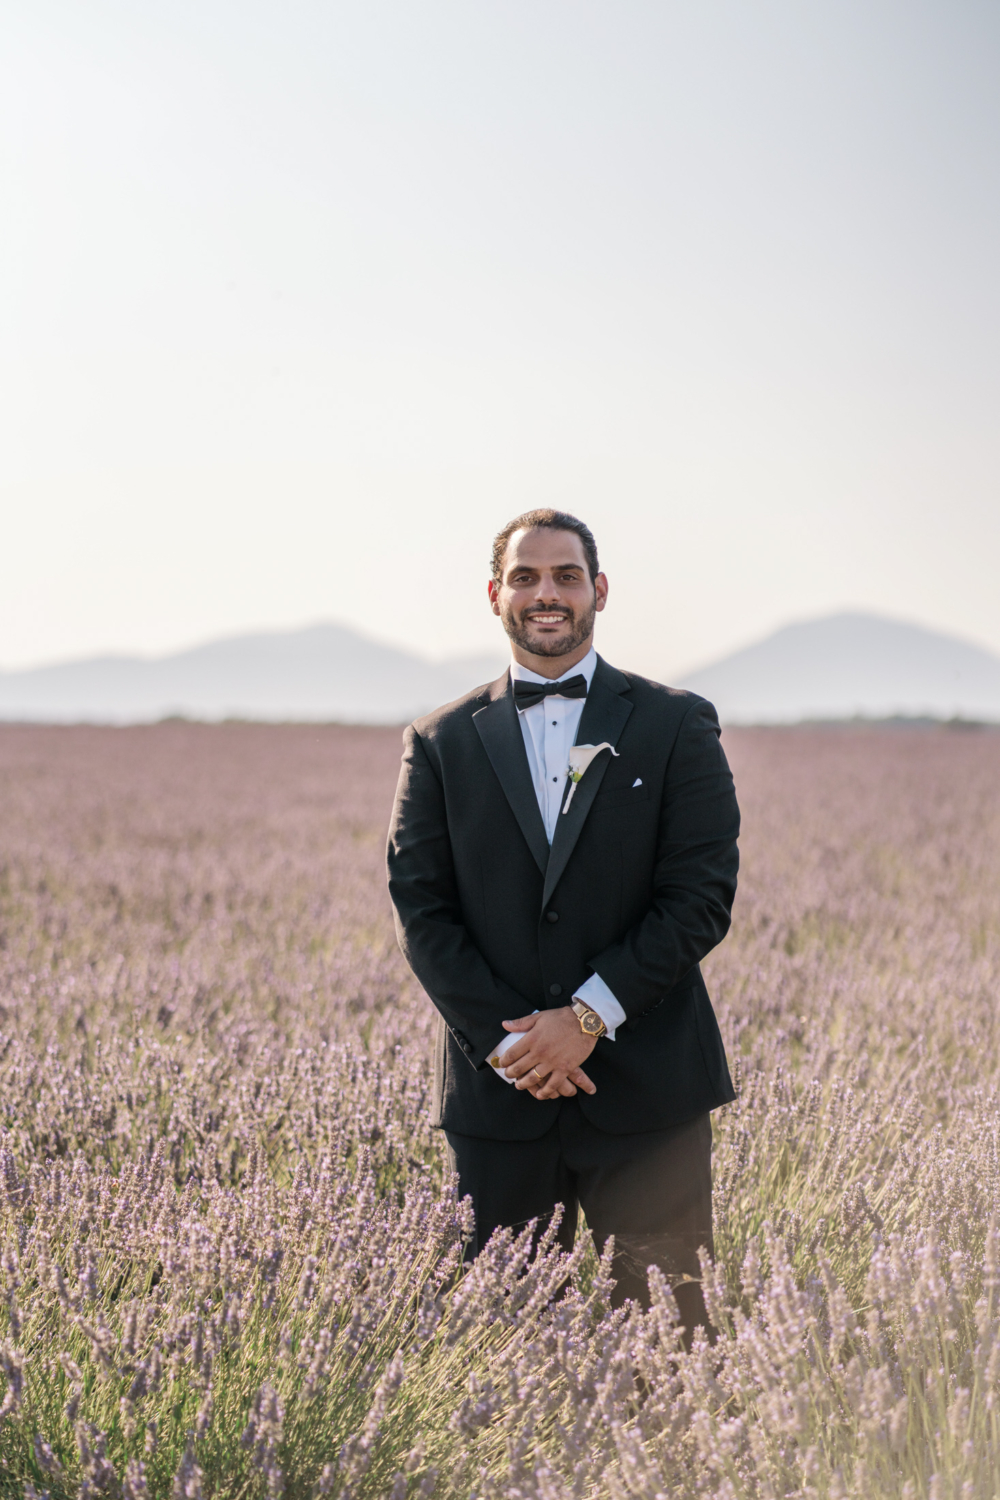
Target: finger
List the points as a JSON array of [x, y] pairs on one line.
[[581, 1080], [514, 1054], [525, 1024], [564, 1090], [557, 1084], [530, 1080], [536, 1081]]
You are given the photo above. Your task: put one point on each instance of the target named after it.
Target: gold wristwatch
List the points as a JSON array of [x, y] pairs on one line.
[[590, 1022]]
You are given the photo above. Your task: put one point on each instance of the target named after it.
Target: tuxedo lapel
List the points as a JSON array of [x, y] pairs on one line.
[[603, 718], [503, 742]]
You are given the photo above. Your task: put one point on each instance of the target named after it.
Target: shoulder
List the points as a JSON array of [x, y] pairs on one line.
[[456, 718], [667, 703]]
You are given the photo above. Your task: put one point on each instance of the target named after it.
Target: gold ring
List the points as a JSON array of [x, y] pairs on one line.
[[541, 1078]]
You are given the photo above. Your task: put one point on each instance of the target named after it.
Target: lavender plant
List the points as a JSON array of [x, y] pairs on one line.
[[229, 1246]]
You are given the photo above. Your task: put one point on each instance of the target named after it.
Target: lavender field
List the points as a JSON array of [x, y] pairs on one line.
[[229, 1244]]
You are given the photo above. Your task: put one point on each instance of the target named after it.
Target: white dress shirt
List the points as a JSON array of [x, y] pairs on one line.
[[549, 730]]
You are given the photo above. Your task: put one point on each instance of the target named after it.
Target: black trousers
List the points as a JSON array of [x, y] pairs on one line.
[[653, 1192]]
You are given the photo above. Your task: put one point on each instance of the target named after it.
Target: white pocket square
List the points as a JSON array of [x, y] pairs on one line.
[[637, 782]]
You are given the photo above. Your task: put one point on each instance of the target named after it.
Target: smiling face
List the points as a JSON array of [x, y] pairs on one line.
[[546, 599]]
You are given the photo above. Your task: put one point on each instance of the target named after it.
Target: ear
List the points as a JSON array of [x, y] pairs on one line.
[[492, 590], [600, 591]]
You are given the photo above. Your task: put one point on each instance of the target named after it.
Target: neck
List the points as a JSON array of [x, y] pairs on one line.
[[551, 666]]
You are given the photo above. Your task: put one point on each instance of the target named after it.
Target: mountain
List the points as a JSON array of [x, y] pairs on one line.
[[852, 664], [326, 672], [833, 668]]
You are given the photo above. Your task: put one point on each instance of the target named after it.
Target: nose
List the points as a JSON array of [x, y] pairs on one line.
[[548, 590]]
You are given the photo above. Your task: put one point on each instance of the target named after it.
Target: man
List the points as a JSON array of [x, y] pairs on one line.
[[557, 921]]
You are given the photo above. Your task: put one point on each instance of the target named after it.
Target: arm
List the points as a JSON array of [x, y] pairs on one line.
[[432, 935], [694, 881]]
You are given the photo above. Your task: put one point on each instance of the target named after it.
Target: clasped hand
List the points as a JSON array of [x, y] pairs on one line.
[[546, 1061]]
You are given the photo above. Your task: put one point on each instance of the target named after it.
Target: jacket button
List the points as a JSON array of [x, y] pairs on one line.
[[551, 916], [555, 989]]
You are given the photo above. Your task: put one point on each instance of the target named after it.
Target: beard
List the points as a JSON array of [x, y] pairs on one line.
[[578, 628]]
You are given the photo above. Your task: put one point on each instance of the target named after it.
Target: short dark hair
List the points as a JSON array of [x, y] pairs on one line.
[[545, 519]]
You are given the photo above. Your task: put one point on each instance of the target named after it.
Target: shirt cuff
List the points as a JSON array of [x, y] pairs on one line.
[[595, 993], [510, 1037]]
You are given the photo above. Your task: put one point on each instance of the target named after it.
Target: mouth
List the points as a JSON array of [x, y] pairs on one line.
[[547, 619]]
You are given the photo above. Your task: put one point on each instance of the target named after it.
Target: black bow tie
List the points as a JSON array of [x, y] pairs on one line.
[[527, 694]]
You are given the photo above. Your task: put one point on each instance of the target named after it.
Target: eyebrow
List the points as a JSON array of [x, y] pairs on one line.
[[557, 568]]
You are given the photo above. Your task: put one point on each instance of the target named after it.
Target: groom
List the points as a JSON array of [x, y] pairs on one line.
[[558, 924]]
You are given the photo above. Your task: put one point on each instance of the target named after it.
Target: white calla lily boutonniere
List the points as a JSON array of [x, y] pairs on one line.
[[579, 759]]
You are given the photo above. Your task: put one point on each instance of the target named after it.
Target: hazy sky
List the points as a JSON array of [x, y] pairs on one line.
[[301, 301]]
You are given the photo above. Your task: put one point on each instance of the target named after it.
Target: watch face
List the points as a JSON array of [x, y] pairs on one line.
[[592, 1024]]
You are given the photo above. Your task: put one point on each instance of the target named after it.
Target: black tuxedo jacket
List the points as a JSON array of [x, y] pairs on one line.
[[637, 885]]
